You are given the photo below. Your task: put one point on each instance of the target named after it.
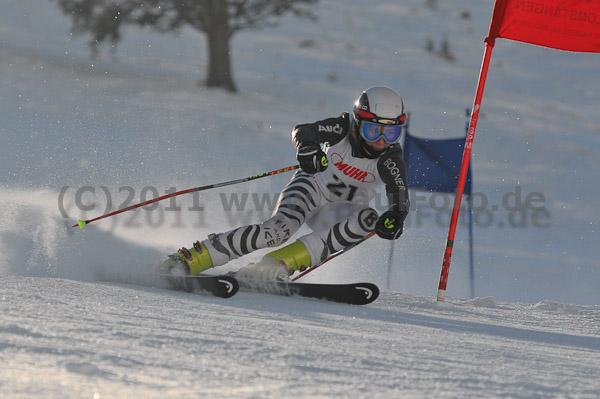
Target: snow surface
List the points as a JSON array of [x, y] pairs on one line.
[[81, 317]]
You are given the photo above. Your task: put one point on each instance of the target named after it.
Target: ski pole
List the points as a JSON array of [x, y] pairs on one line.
[[82, 223], [335, 255]]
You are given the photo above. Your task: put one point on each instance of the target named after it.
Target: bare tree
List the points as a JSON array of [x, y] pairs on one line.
[[217, 19]]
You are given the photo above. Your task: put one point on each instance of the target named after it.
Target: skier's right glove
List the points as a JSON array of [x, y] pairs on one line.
[[311, 157]]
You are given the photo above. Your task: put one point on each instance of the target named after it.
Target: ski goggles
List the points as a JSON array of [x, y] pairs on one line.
[[374, 131]]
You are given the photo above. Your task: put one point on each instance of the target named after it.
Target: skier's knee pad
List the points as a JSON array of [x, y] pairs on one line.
[[366, 219]]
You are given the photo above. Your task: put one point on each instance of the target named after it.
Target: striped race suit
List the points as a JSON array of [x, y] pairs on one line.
[[333, 203]]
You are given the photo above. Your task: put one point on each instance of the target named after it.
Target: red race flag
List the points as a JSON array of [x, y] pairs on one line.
[[571, 25]]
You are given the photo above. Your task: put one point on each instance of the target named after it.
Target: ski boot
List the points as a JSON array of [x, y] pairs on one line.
[[190, 261], [292, 257], [278, 265]]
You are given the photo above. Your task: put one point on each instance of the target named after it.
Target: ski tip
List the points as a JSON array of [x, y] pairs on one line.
[[229, 287], [370, 291], [81, 224]]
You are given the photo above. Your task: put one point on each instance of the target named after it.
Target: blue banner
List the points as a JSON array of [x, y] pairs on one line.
[[434, 165]]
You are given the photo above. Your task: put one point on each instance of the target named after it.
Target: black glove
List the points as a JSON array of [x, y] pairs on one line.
[[389, 225], [311, 157]]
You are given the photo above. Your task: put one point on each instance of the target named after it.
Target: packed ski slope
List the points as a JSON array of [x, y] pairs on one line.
[[81, 316], [86, 340]]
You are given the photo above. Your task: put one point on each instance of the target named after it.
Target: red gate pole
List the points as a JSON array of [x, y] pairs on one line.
[[489, 45]]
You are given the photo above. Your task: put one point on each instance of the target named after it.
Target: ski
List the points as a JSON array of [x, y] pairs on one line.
[[353, 294], [226, 286], [218, 285]]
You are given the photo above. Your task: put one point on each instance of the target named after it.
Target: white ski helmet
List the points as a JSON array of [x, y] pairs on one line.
[[378, 114], [380, 104]]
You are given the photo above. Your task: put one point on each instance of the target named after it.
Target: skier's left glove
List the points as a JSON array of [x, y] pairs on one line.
[[311, 157], [389, 226]]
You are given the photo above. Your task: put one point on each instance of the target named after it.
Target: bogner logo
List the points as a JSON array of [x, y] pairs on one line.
[[395, 172], [330, 129], [351, 171]]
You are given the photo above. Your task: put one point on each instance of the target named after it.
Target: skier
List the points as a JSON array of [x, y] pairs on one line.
[[331, 194]]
